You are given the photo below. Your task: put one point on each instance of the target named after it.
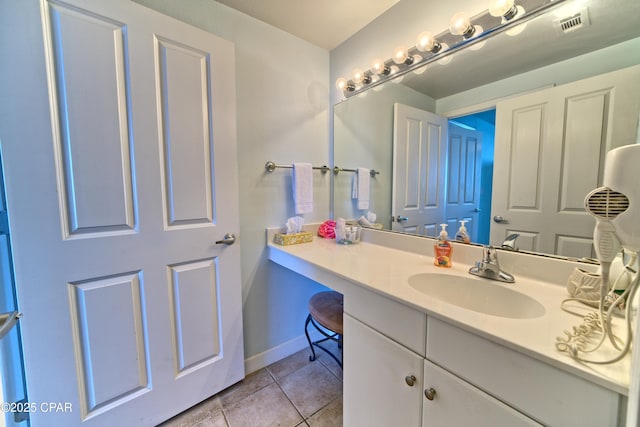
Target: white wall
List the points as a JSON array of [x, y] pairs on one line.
[[364, 127], [282, 115]]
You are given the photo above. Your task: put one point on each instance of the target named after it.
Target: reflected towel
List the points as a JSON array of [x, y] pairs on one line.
[[303, 187], [360, 189]]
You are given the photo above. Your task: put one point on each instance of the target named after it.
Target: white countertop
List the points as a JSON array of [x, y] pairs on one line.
[[386, 270]]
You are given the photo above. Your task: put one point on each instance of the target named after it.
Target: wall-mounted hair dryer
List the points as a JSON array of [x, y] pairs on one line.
[[622, 175], [616, 207], [606, 205]]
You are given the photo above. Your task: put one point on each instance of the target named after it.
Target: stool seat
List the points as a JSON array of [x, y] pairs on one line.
[[325, 315], [326, 309]]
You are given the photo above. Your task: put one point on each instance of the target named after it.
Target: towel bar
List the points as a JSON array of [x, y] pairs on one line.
[[337, 170], [270, 167]]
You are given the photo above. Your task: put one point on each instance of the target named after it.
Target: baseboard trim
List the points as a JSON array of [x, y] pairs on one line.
[[279, 352]]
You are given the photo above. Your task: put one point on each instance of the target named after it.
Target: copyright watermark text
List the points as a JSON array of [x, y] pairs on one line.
[[32, 407]]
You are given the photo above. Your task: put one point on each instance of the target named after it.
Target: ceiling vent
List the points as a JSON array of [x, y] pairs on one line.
[[573, 22]]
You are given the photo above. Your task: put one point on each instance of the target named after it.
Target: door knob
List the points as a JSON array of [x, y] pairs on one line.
[[400, 218], [476, 210], [7, 321], [430, 393], [228, 239], [500, 220], [410, 380]]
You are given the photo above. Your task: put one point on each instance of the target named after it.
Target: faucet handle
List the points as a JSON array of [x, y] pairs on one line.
[[489, 266], [489, 254]]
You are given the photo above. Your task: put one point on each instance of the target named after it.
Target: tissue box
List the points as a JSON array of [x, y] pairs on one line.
[[293, 239]]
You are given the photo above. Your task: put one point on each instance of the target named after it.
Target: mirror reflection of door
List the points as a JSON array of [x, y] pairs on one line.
[[463, 179], [419, 163], [442, 172], [549, 153], [484, 123]]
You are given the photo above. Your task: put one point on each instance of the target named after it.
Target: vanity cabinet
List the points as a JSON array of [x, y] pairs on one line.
[[456, 378], [386, 384], [382, 380]]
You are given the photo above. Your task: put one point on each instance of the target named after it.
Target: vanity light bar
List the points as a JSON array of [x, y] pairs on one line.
[[501, 16]]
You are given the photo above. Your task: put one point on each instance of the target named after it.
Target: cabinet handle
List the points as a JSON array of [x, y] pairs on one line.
[[430, 393], [410, 380]]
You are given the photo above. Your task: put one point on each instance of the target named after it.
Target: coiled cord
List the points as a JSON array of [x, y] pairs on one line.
[[581, 338]]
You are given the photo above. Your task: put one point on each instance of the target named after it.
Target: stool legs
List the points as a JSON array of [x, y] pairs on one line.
[[333, 337]]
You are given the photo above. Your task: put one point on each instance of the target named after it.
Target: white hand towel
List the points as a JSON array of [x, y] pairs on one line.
[[303, 187], [363, 188]]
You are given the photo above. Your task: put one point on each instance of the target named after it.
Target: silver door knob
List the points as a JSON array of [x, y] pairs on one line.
[[228, 239], [400, 218], [410, 380], [8, 321], [500, 220], [476, 210], [430, 393]]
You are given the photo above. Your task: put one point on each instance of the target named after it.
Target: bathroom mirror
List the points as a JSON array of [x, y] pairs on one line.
[[538, 58]]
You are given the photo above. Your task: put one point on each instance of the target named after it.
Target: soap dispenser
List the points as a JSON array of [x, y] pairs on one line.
[[462, 235], [442, 249]]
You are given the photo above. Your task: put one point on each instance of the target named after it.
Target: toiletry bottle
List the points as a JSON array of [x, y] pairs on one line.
[[443, 249], [462, 235]]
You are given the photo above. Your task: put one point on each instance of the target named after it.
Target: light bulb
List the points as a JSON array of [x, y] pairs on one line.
[[379, 67], [343, 84], [358, 76], [401, 56], [502, 8], [427, 42], [460, 25]]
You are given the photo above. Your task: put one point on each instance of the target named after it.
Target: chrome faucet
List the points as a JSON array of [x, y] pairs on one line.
[[489, 267], [509, 243]]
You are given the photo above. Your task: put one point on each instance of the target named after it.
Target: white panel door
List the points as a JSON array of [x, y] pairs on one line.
[[463, 180], [549, 153], [419, 156], [119, 147]]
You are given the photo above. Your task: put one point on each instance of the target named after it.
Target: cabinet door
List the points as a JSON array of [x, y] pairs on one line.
[[457, 403], [376, 391]]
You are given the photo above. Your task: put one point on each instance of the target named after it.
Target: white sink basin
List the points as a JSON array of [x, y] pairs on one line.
[[478, 295]]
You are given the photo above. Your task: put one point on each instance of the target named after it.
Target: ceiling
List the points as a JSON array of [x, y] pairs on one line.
[[324, 23]]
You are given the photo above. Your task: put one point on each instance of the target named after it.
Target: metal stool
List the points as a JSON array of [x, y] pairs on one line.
[[325, 309]]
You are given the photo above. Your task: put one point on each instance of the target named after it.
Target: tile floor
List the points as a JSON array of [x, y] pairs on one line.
[[293, 392]]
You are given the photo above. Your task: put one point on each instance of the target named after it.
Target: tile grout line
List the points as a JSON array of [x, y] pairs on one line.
[[275, 380], [304, 419], [330, 370]]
